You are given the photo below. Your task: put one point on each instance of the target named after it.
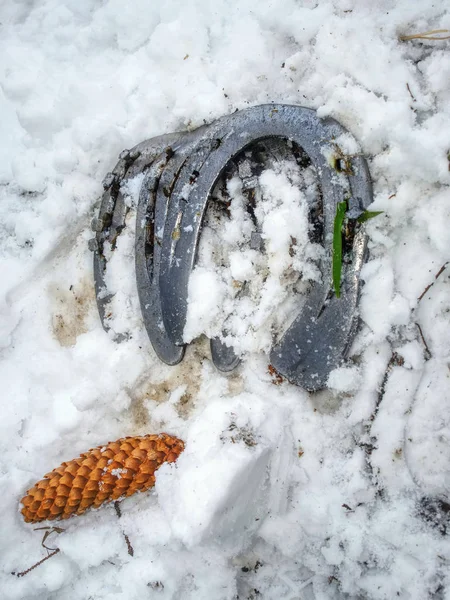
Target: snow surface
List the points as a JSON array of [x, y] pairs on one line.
[[279, 493]]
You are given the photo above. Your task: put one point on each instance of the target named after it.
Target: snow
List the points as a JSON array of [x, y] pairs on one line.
[[279, 493], [249, 293]]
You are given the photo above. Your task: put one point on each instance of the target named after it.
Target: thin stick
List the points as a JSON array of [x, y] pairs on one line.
[[129, 546], [117, 509], [425, 35], [127, 539], [438, 274], [395, 361], [23, 573], [410, 92], [49, 532], [428, 354]]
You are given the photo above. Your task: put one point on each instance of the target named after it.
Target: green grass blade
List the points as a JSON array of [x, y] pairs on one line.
[[341, 209], [369, 215]]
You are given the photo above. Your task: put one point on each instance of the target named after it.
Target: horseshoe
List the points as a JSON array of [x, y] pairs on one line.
[[319, 339], [111, 220], [181, 170], [152, 209]]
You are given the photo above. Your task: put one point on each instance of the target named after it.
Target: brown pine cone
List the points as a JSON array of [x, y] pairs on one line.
[[103, 474]]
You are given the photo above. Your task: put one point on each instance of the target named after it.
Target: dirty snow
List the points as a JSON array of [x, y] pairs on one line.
[[279, 493]]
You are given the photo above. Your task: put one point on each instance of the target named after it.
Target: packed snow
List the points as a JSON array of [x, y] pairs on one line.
[[341, 494]]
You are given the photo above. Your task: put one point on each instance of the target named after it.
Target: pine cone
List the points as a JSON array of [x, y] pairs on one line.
[[103, 474]]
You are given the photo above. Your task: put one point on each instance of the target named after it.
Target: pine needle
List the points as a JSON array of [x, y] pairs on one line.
[[425, 35]]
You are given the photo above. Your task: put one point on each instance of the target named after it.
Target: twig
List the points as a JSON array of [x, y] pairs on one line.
[[129, 546], [49, 532], [425, 35], [438, 274], [370, 445], [428, 354], [127, 539], [23, 573], [397, 361], [117, 509], [410, 92]]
